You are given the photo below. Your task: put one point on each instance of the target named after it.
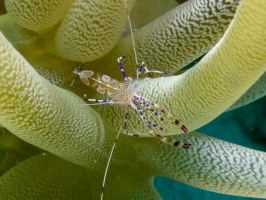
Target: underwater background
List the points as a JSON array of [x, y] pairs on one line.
[[244, 126]]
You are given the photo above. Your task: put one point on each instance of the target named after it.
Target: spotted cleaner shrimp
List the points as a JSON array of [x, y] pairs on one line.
[[156, 119]]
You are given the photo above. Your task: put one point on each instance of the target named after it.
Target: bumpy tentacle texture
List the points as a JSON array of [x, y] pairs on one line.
[[27, 42], [52, 177], [221, 77], [144, 12], [55, 120], [176, 38], [87, 30], [212, 164], [134, 184], [33, 108], [42, 174], [257, 91], [38, 16], [83, 34]]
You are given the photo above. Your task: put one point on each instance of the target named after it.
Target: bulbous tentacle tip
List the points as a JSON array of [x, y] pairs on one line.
[[55, 126]]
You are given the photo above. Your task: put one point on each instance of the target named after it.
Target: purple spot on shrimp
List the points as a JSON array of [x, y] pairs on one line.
[[124, 74], [125, 125], [176, 143], [184, 128], [126, 115], [186, 145]]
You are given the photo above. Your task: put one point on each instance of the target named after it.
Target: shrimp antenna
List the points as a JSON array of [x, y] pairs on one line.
[[118, 134], [132, 34], [109, 160]]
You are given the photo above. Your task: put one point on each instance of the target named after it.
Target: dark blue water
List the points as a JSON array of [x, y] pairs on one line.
[[248, 125]]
